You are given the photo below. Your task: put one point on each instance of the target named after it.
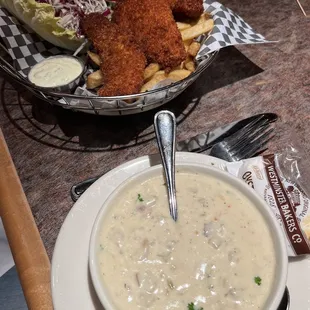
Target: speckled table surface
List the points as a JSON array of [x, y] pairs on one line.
[[54, 148]]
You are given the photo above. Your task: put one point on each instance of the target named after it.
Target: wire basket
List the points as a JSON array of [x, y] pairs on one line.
[[117, 105]]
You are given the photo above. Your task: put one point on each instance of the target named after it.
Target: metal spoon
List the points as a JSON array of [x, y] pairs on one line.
[[285, 303], [165, 129]]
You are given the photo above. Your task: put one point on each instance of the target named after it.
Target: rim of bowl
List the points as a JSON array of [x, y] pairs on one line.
[[62, 85], [273, 300]]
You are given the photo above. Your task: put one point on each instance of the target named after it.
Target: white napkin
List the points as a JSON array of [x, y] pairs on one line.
[[6, 259]]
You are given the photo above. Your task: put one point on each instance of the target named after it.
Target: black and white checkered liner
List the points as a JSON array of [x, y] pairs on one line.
[[229, 29], [25, 47]]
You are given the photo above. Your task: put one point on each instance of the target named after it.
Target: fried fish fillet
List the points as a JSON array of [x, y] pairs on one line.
[[122, 61], [186, 8], [172, 3], [154, 29]]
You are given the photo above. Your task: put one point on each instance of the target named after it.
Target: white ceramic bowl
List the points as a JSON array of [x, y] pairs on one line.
[[277, 235]]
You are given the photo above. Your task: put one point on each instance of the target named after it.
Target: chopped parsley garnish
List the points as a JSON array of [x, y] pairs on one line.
[[258, 280], [191, 306], [140, 198]]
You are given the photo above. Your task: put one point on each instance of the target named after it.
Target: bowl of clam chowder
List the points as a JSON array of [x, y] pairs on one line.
[[226, 251]]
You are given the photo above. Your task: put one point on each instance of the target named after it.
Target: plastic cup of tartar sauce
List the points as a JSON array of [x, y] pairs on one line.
[[60, 73]]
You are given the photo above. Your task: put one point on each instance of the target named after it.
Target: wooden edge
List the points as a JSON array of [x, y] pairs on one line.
[[28, 251]]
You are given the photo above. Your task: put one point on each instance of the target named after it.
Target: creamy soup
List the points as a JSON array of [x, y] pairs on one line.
[[218, 256]]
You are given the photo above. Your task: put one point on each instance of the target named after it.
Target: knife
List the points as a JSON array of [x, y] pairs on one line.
[[198, 144]]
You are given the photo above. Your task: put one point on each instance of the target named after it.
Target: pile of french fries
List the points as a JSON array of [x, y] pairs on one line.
[[153, 73]]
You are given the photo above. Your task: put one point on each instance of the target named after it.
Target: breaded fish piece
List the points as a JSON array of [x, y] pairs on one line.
[[122, 61], [187, 8], [172, 3], [153, 27]]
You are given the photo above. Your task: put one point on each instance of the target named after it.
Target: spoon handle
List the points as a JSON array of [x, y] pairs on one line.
[[165, 129]]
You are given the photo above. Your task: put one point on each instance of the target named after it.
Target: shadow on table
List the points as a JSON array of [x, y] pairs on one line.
[[94, 297], [69, 130]]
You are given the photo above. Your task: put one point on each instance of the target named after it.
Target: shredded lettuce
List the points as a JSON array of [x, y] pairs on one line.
[[57, 21], [71, 11]]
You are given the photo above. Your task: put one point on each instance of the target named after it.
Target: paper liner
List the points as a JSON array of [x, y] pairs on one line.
[[229, 29]]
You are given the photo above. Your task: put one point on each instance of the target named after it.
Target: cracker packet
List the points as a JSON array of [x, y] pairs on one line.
[[280, 181]]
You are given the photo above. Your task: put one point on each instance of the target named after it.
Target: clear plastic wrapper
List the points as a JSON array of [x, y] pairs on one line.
[[281, 179]]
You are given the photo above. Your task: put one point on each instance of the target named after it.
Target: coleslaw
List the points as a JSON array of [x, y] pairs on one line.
[[70, 12]]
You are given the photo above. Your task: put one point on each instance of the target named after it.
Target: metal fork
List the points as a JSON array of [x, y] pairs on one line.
[[245, 143]]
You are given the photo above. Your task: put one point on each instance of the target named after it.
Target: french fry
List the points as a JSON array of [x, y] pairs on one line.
[[190, 66], [152, 82], [180, 66], [94, 57], [207, 15], [129, 101], [177, 75], [187, 44], [160, 73], [203, 17], [193, 49], [188, 59], [197, 30], [94, 79], [182, 26], [150, 70]]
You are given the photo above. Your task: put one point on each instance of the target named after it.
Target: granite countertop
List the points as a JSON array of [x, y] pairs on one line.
[[54, 148]]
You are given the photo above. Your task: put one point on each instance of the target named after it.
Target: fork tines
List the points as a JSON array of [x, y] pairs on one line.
[[250, 140]]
